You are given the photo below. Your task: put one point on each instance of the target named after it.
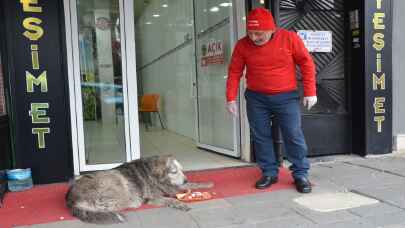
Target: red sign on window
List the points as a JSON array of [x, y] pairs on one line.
[[212, 53]]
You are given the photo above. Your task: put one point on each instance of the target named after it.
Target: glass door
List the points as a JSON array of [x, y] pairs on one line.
[[101, 84], [215, 37]]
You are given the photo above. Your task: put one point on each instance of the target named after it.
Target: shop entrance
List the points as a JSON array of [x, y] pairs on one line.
[[183, 49], [164, 61], [327, 125]]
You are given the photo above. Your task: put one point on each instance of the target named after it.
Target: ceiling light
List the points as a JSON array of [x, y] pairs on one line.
[[165, 5], [214, 9], [225, 4], [148, 23], [156, 15]]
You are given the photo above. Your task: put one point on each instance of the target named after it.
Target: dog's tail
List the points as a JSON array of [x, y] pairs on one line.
[[98, 217], [91, 216]]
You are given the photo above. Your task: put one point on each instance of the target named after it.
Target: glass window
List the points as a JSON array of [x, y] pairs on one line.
[[214, 48], [101, 81]]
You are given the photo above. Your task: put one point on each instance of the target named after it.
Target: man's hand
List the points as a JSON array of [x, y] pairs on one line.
[[232, 108], [309, 101]]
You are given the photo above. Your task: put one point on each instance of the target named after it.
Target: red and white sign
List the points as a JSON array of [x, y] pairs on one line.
[[103, 23], [212, 53]]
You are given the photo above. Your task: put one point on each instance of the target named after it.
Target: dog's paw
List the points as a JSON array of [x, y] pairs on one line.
[[208, 184]]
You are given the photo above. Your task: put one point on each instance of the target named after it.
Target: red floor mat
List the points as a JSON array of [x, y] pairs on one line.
[[46, 203]]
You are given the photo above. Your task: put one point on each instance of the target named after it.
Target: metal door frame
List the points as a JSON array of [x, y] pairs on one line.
[[127, 27], [234, 34]]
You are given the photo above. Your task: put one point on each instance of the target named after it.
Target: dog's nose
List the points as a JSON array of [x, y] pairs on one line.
[[185, 181]]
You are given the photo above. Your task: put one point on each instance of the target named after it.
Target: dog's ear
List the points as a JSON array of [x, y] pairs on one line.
[[160, 158], [173, 165], [166, 159], [170, 165], [162, 164]]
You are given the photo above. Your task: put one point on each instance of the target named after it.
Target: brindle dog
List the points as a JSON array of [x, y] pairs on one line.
[[99, 197]]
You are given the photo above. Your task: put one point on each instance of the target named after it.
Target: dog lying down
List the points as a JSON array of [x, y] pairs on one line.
[[99, 197]]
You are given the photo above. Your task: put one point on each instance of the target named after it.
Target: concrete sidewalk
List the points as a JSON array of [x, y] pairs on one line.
[[379, 181]]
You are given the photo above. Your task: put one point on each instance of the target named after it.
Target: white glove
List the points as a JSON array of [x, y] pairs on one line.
[[232, 108], [309, 101]]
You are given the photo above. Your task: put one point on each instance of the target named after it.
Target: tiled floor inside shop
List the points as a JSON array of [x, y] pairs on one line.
[[105, 142], [157, 141]]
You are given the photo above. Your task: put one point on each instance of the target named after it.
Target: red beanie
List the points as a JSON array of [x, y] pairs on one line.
[[260, 19]]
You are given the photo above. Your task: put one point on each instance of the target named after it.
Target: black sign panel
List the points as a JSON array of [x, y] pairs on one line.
[[378, 76], [38, 86]]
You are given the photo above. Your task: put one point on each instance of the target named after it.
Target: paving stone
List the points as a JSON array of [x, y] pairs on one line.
[[321, 185], [165, 218], [62, 224], [254, 213], [287, 223], [325, 217], [210, 204], [347, 224], [132, 222], [393, 164], [217, 217], [394, 196], [374, 210], [368, 179], [398, 202], [394, 226], [244, 225], [334, 159], [387, 219], [269, 198]]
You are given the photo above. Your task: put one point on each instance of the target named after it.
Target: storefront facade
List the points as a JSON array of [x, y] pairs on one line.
[[76, 71]]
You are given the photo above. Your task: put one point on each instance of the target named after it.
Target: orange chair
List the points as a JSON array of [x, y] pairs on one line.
[[150, 104]]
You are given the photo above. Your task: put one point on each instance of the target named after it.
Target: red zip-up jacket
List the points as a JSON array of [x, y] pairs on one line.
[[270, 69]]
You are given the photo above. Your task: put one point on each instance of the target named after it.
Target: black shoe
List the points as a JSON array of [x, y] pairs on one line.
[[266, 181], [302, 185]]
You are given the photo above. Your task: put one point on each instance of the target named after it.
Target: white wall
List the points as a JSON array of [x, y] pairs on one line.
[[172, 75]]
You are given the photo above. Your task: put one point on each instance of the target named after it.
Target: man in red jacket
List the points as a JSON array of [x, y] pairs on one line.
[[270, 55]]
